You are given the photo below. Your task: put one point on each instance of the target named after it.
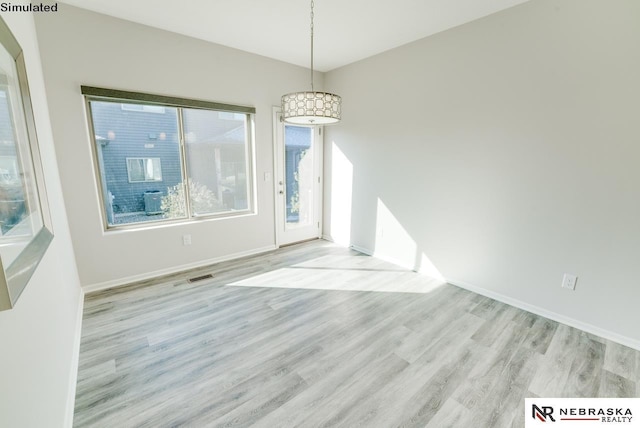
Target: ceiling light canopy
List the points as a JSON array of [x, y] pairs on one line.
[[311, 107]]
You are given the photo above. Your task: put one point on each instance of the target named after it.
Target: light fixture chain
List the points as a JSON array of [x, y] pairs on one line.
[[312, 4]]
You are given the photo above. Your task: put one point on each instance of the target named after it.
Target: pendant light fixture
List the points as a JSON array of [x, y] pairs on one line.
[[311, 107]]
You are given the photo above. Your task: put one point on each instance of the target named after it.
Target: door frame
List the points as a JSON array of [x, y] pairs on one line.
[[278, 175]]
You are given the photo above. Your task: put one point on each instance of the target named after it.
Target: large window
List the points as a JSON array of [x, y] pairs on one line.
[[167, 159]]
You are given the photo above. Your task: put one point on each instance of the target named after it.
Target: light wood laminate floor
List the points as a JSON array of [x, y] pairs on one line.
[[315, 335]]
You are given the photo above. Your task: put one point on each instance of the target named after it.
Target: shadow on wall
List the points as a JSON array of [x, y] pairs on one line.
[[387, 239]]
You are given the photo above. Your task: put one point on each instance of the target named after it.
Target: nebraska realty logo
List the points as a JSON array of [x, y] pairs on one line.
[[582, 412]]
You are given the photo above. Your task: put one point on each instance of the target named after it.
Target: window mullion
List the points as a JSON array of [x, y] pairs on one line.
[[183, 161]]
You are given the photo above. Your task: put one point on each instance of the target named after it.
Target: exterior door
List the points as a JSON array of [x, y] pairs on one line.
[[298, 181]]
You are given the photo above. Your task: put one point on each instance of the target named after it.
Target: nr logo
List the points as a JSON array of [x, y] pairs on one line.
[[542, 413]]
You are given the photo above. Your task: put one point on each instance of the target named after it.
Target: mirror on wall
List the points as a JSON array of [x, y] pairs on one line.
[[25, 223]]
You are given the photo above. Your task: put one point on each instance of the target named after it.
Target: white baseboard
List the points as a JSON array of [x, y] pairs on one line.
[[396, 262], [90, 288], [75, 360], [589, 328], [362, 249], [330, 238]]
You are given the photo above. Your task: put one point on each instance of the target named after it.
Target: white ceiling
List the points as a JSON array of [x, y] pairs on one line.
[[345, 30]]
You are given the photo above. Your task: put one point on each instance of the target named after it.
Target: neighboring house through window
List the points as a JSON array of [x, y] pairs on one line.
[[193, 157]]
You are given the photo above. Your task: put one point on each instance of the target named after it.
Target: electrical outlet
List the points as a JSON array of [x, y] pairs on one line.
[[569, 281], [186, 239]]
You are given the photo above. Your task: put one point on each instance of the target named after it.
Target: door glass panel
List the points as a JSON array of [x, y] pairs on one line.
[[299, 162]]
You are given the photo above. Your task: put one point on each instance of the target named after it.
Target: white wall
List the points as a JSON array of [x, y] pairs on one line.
[[500, 155], [38, 346], [84, 48]]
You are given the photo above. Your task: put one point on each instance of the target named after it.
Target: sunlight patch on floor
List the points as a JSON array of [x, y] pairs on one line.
[[346, 273]]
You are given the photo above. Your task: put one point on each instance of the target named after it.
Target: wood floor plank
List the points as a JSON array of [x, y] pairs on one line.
[[428, 401], [92, 373], [356, 338], [586, 369], [496, 321], [526, 319], [356, 393], [451, 415], [505, 401], [540, 335], [339, 379], [554, 372], [432, 326], [620, 360], [385, 406], [484, 377], [488, 308], [318, 335], [615, 386]]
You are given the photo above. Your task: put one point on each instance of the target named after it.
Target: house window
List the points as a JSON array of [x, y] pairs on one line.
[[144, 169], [194, 161]]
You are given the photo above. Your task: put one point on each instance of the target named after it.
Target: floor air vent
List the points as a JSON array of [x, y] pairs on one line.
[[200, 278]]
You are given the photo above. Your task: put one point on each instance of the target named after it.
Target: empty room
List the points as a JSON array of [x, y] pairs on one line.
[[320, 213]]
